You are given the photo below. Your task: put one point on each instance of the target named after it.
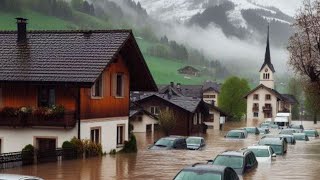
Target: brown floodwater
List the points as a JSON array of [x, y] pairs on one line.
[[301, 161]]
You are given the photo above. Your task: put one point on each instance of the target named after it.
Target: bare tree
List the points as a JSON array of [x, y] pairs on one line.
[[167, 121], [304, 45]]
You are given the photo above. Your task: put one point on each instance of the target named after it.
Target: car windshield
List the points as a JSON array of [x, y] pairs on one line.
[[234, 134], [164, 142], [300, 137], [277, 149], [193, 141], [295, 127], [251, 130], [193, 175], [260, 152], [234, 162], [311, 133], [264, 125]]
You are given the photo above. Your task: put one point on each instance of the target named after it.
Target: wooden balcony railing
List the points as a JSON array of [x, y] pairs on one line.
[[267, 108], [68, 121], [255, 109]]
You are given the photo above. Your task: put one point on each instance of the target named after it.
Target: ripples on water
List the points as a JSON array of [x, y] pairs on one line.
[[301, 161]]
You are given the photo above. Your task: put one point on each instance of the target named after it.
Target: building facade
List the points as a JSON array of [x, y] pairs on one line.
[[264, 102], [56, 85]]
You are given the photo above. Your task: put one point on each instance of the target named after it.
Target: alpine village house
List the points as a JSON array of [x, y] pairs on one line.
[[266, 103], [56, 85]]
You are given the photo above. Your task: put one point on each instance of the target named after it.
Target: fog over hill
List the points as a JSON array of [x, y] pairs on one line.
[[233, 31]]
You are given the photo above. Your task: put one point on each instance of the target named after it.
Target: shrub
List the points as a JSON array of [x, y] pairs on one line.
[[92, 149], [27, 154], [78, 145], [130, 146], [69, 151], [9, 112], [112, 152]]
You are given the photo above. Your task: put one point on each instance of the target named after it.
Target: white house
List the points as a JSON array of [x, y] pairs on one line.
[[264, 102]]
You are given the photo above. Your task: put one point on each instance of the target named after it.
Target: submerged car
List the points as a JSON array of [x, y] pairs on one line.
[[311, 133], [262, 153], [241, 161], [289, 138], [300, 127], [18, 177], [206, 171], [265, 125], [237, 134], [195, 143], [279, 145], [252, 130], [171, 142], [288, 131], [301, 137], [264, 130]]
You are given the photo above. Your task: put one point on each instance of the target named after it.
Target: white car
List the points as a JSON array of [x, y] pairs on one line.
[[195, 143], [18, 177], [262, 153]]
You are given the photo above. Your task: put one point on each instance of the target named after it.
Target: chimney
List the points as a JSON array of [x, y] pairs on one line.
[[22, 29], [172, 84]]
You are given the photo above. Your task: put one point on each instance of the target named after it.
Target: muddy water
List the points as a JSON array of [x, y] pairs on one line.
[[301, 161]]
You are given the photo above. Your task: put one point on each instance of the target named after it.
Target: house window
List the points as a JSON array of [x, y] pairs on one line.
[[256, 96], [96, 90], [46, 97], [155, 110], [120, 135], [255, 114], [118, 85], [255, 107], [195, 119], [95, 135], [268, 97]]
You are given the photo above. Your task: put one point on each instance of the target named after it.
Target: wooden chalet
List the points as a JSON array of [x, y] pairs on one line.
[[189, 70], [55, 85], [189, 113]]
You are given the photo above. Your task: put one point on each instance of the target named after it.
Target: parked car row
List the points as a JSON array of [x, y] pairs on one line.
[[179, 142]]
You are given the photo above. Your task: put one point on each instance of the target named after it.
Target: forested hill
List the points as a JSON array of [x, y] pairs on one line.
[[164, 56]]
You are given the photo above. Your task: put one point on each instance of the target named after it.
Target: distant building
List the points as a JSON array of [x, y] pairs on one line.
[[141, 120], [189, 70], [189, 113], [264, 102]]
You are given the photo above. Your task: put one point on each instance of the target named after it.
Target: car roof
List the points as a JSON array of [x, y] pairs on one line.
[[285, 135], [206, 167], [240, 153], [271, 140], [299, 134], [195, 137], [172, 138], [16, 176], [258, 147], [238, 130], [309, 130]]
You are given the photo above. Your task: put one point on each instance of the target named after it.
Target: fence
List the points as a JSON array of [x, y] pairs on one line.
[[15, 159]]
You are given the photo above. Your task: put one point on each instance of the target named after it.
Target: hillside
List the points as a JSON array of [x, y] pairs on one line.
[[164, 70]]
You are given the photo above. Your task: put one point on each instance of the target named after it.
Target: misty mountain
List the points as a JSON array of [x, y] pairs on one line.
[[243, 19]]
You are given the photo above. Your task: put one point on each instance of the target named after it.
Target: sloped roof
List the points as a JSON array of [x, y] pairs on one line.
[[217, 109], [284, 97], [209, 85], [187, 103], [188, 67], [70, 57], [290, 98]]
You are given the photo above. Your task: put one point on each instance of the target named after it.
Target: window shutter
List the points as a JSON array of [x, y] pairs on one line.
[[114, 84]]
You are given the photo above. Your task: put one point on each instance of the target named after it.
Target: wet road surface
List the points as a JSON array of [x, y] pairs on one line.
[[301, 161]]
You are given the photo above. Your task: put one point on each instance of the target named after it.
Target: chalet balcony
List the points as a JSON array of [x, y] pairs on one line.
[[255, 109], [266, 108], [67, 120]]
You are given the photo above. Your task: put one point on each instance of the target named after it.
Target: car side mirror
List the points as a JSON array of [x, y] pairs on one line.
[[274, 155]]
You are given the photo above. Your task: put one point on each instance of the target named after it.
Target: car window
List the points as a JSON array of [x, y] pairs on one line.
[[194, 175], [260, 152], [234, 162], [230, 175]]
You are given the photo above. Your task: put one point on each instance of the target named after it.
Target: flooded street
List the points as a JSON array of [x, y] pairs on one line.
[[301, 161]]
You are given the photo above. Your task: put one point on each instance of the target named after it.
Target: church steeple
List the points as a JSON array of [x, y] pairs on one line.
[[267, 57], [267, 70]]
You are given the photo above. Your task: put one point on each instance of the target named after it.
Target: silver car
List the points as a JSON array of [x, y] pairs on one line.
[[18, 177]]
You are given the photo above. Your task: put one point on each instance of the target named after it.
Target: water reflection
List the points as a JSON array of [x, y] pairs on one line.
[[301, 161]]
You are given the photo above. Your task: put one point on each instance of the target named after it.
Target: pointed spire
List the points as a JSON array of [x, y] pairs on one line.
[[267, 58]]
